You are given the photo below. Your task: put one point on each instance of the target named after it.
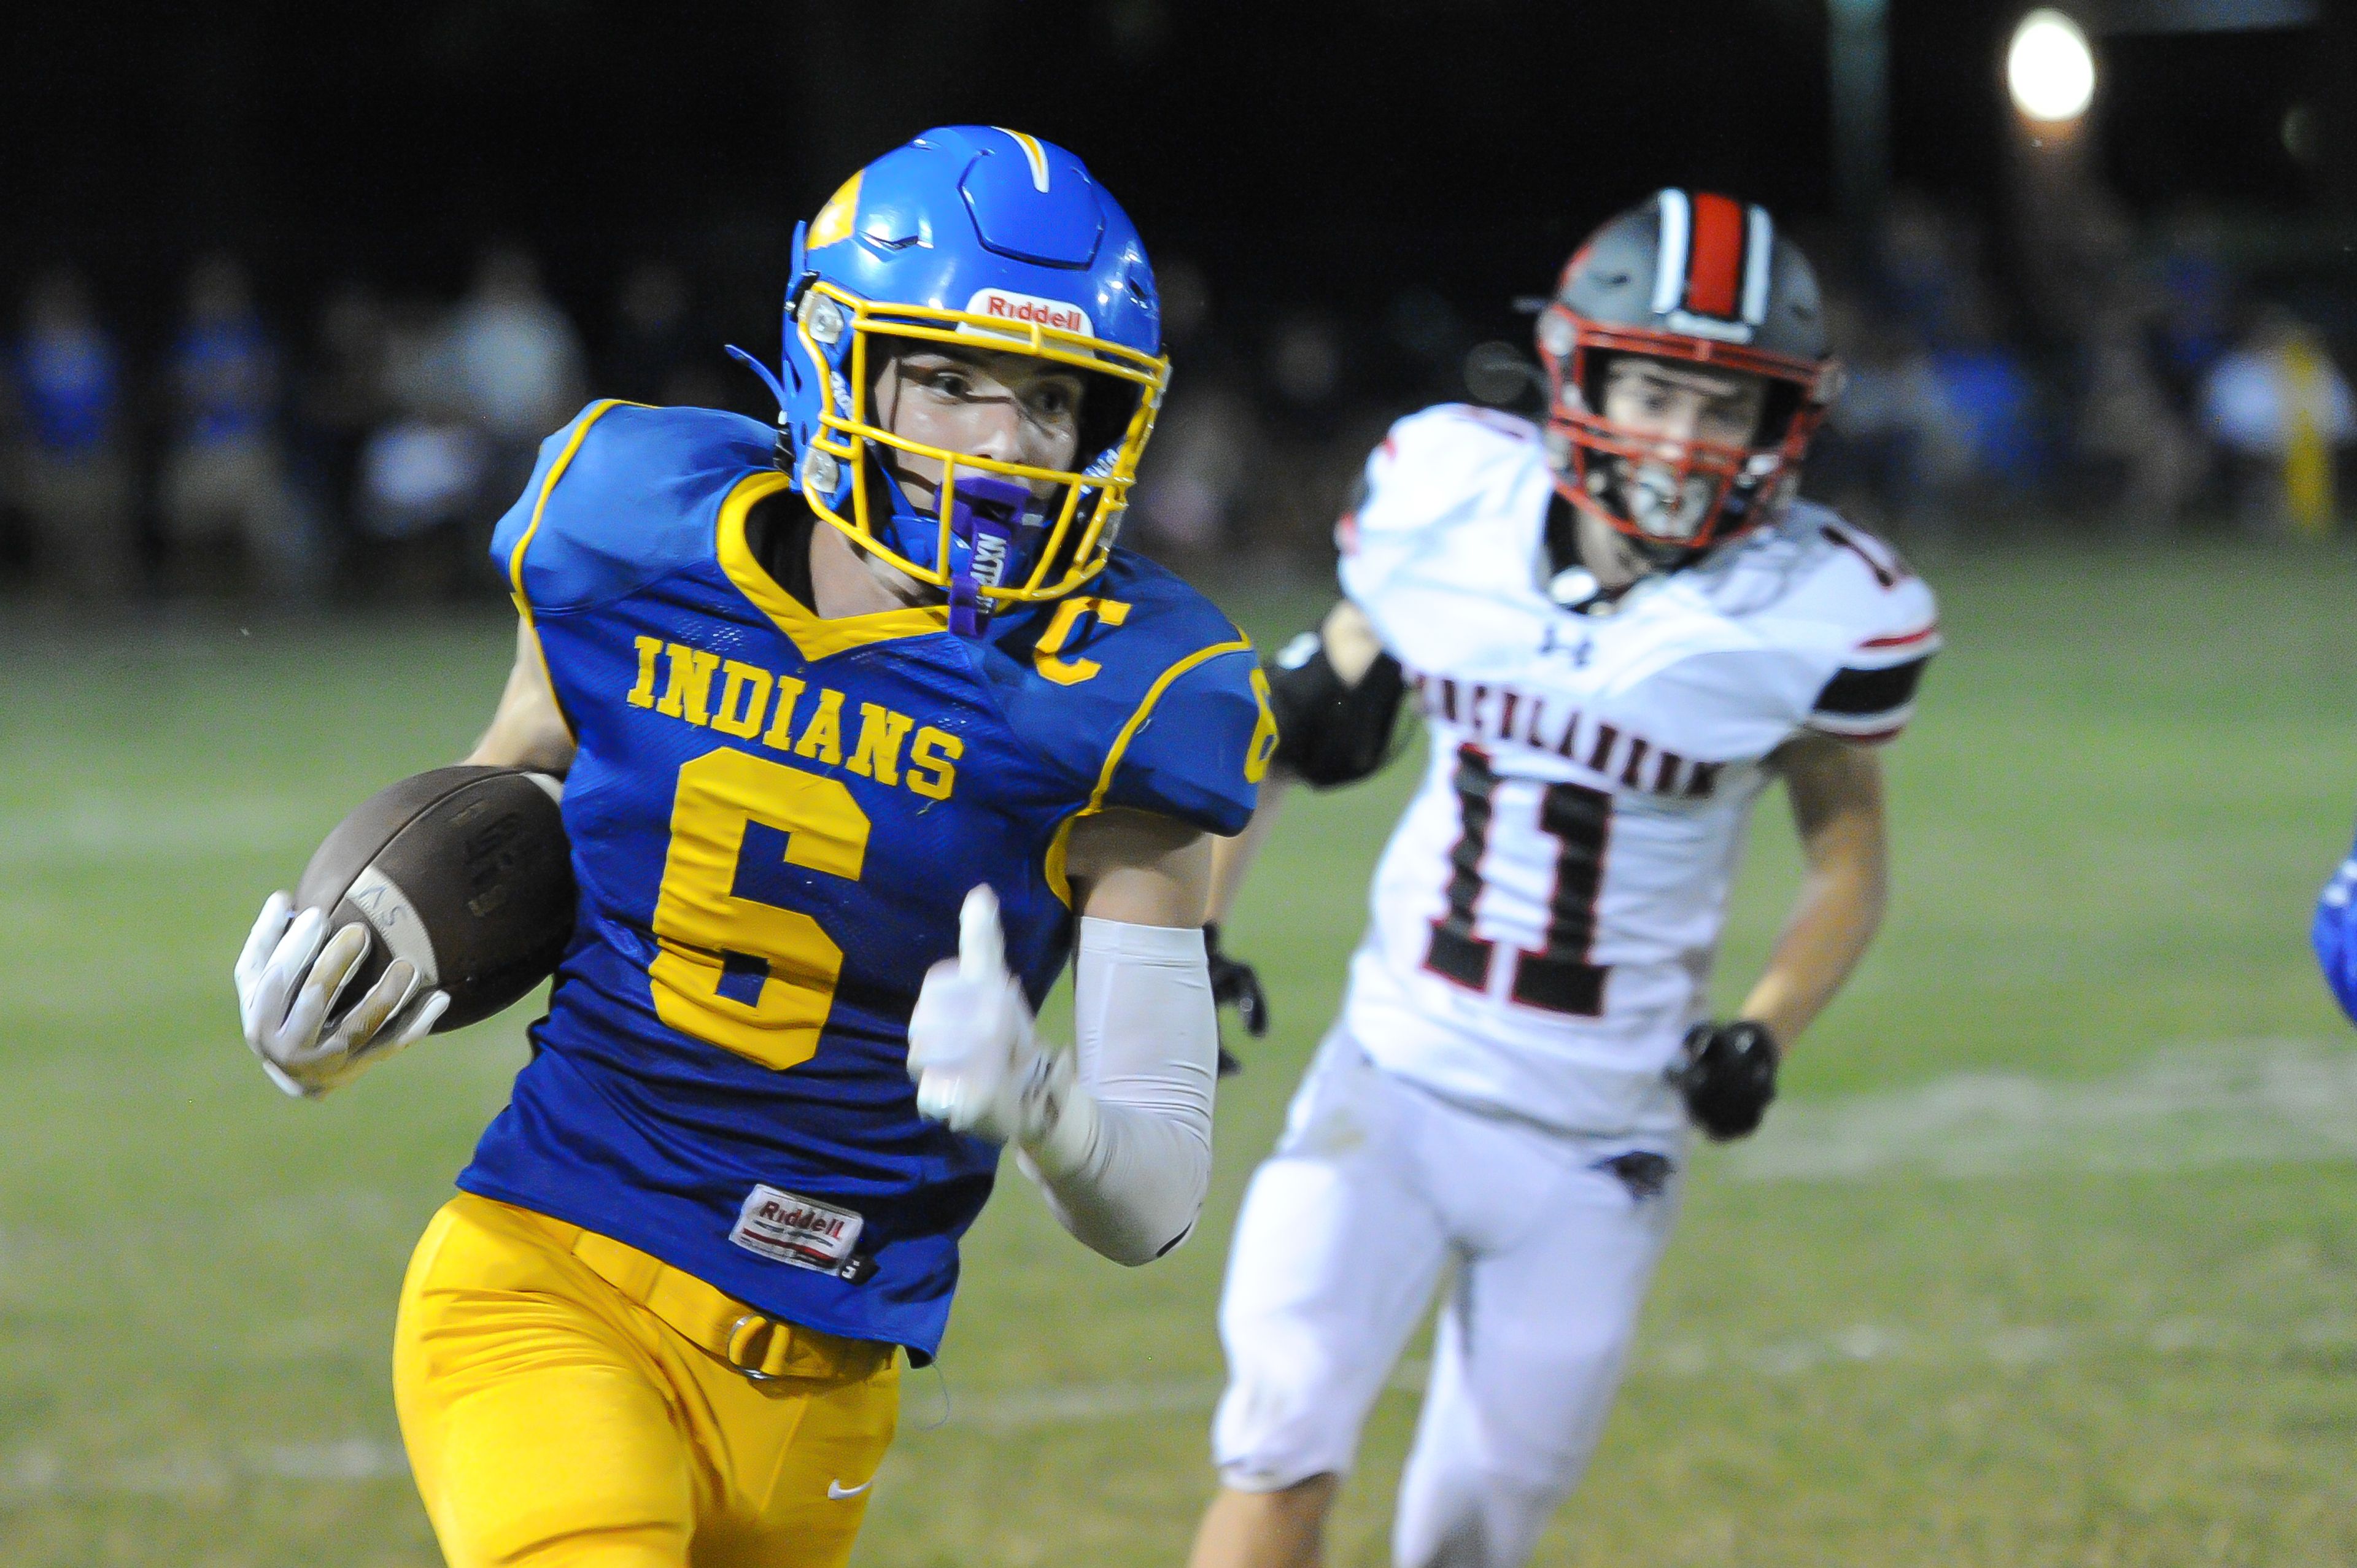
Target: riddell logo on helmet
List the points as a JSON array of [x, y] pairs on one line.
[[1030, 310]]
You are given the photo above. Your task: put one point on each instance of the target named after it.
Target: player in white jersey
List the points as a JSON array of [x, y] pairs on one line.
[[1620, 628]]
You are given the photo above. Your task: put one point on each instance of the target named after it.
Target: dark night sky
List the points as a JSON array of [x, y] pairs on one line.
[[1300, 151]]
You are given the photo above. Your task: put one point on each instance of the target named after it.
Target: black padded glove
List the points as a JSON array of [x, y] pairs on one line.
[[1234, 985], [1728, 1074]]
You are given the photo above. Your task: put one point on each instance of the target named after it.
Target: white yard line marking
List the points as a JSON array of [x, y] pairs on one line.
[[101, 830], [2013, 1348], [1081, 1403], [33, 1472], [353, 1459], [42, 1473], [2262, 1101]]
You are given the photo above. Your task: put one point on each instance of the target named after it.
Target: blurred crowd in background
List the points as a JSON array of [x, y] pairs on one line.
[[2084, 371], [2092, 375], [364, 453]]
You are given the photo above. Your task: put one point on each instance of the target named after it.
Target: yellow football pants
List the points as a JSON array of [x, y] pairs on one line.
[[570, 1402]]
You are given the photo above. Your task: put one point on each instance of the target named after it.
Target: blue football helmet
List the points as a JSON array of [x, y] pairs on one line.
[[990, 239]]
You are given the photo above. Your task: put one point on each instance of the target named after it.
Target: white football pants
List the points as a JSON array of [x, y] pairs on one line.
[[1375, 1188]]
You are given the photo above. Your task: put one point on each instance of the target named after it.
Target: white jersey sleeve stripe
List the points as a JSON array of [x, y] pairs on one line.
[[1872, 730], [1670, 270], [1757, 266]]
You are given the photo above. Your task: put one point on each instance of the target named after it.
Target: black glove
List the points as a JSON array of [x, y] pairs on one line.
[[1728, 1074], [1234, 984]]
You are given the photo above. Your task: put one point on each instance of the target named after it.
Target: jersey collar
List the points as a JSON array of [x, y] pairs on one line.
[[814, 636]]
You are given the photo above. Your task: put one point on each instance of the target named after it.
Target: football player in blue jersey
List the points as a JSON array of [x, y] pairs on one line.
[[2332, 932], [866, 726]]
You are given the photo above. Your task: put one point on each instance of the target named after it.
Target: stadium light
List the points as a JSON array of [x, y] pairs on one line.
[[2049, 68]]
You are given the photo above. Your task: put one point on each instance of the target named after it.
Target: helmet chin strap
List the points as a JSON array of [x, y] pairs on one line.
[[769, 377], [785, 450]]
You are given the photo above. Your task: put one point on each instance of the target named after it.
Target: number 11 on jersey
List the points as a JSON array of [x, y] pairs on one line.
[[1558, 977]]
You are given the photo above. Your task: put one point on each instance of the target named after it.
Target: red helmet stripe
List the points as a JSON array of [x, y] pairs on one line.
[[1715, 268]]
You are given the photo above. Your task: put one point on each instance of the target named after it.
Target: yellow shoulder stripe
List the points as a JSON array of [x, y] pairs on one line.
[[547, 486], [1145, 709]]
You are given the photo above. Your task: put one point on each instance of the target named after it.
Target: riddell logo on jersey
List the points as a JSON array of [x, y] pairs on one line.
[[802, 1218], [1030, 310], [795, 1230]]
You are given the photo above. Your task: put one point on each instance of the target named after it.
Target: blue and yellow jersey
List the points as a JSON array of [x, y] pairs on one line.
[[774, 819]]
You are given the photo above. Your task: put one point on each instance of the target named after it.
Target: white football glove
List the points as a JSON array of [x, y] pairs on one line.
[[289, 978], [976, 1058]]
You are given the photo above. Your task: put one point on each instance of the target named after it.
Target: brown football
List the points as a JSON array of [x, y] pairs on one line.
[[463, 871]]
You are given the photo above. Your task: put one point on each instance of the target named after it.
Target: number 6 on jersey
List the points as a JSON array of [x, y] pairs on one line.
[[747, 976]]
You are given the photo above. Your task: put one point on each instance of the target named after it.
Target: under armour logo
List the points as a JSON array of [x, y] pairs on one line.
[[1578, 648]]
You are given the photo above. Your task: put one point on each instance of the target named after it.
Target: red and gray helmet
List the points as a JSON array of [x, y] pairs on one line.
[[1702, 280]]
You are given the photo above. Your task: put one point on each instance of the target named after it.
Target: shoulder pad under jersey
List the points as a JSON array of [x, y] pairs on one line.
[[1142, 694], [621, 496], [1453, 500], [1849, 604]]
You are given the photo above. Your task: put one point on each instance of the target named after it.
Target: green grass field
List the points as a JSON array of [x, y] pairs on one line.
[[2048, 1257]]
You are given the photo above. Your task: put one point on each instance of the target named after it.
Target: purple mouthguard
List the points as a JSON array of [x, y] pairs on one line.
[[986, 515]]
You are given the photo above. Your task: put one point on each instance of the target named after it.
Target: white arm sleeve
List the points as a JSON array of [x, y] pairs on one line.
[[1126, 1166]]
